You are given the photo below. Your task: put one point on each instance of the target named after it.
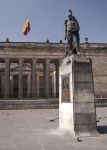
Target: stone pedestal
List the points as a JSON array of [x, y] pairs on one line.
[[77, 113]]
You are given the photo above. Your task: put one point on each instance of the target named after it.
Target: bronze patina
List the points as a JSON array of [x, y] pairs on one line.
[[72, 33]]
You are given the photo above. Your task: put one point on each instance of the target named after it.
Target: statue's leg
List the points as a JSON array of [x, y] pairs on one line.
[[71, 49], [76, 43], [70, 44]]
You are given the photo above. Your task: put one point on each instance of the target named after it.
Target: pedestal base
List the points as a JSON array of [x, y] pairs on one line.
[[77, 113]]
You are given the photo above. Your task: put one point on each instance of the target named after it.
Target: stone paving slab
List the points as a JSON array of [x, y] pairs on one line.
[[37, 129]]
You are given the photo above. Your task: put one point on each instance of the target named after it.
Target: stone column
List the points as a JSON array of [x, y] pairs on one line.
[[57, 79], [34, 78], [53, 85], [47, 77], [7, 78], [11, 85], [20, 78], [38, 84], [2, 85], [29, 85]]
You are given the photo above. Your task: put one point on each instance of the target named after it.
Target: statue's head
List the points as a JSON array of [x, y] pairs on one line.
[[69, 13]]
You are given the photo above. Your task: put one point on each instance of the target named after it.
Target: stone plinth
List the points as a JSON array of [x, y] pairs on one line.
[[77, 113]]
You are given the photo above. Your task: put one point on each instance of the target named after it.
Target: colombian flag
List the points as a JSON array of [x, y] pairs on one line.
[[26, 27]]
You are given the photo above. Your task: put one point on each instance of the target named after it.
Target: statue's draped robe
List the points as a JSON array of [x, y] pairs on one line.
[[73, 34]]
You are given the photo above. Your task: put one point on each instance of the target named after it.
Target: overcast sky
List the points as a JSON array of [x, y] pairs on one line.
[[47, 19]]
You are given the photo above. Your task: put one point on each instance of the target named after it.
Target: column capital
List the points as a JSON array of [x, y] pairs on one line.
[[7, 59], [47, 60], [34, 58]]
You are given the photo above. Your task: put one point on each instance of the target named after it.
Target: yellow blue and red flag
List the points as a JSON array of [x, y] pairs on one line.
[[26, 27]]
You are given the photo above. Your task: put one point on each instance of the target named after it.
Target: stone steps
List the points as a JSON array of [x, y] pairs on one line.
[[29, 104], [101, 102], [39, 103]]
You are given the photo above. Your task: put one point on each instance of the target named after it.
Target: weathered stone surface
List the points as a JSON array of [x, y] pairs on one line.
[[84, 107], [83, 86], [81, 118], [82, 67], [83, 77], [85, 118], [82, 130], [83, 97], [66, 122]]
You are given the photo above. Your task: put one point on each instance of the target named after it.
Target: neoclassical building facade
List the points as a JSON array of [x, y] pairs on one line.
[[31, 69]]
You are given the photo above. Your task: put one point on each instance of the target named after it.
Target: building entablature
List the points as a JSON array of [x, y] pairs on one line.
[[48, 46]]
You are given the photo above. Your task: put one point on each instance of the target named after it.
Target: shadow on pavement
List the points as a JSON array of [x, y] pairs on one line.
[[102, 129]]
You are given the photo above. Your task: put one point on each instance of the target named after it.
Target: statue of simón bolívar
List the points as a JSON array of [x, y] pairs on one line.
[[72, 33]]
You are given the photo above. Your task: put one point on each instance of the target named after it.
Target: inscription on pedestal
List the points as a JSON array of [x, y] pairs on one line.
[[65, 89]]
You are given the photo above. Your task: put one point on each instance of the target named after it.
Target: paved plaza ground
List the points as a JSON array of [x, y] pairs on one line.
[[37, 129]]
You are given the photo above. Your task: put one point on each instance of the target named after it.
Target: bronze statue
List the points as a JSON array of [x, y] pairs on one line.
[[72, 33]]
